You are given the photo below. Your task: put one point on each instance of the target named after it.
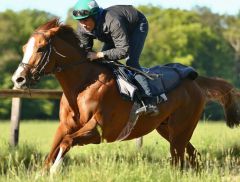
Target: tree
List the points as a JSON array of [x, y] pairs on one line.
[[181, 36], [232, 35], [15, 29]]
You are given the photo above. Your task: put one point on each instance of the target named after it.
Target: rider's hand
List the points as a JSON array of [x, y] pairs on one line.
[[94, 55]]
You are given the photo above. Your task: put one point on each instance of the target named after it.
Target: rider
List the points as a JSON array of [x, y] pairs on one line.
[[123, 29]]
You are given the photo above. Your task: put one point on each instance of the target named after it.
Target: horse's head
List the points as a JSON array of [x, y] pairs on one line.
[[42, 52], [36, 59]]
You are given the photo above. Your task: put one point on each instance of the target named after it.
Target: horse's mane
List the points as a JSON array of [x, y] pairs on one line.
[[65, 32], [50, 24]]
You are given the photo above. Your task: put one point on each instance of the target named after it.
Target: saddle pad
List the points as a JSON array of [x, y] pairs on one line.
[[169, 77]]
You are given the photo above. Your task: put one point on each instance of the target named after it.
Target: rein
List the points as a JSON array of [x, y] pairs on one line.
[[39, 69], [118, 64]]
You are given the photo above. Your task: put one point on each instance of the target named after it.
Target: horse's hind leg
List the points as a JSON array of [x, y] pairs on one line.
[[190, 150], [182, 123]]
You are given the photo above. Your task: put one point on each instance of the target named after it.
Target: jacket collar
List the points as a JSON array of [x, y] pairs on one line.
[[98, 19]]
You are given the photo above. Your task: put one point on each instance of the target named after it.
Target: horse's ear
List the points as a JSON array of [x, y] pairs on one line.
[[51, 32]]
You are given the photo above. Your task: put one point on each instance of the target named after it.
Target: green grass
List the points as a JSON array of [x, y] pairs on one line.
[[120, 161]]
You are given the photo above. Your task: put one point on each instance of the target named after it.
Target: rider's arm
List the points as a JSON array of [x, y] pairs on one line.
[[120, 39], [85, 39]]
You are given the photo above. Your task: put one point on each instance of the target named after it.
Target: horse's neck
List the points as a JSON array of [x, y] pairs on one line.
[[73, 74], [77, 79], [79, 73]]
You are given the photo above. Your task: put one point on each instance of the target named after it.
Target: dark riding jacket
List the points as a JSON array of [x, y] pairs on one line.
[[114, 26]]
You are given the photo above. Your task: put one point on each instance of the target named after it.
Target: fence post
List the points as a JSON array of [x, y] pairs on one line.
[[139, 142], [15, 118]]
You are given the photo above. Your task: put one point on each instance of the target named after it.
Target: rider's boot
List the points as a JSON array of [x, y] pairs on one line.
[[149, 105]]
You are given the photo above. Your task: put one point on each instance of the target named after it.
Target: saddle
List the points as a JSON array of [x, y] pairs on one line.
[[162, 79]]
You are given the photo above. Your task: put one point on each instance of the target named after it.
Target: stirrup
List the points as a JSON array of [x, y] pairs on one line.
[[142, 110], [146, 109]]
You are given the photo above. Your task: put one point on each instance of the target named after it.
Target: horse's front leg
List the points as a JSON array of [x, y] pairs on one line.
[[86, 135], [59, 135]]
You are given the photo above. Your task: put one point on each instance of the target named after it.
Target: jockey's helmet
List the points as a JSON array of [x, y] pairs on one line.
[[84, 9]]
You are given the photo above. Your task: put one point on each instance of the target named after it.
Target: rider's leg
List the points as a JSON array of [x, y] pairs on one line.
[[136, 42]]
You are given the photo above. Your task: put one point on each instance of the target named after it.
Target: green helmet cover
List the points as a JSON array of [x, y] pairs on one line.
[[89, 5]]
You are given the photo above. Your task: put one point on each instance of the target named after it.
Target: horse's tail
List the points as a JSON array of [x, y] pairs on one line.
[[217, 89]]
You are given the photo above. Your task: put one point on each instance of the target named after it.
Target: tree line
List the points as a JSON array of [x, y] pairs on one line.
[[207, 41]]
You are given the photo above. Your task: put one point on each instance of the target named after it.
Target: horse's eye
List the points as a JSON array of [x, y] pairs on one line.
[[41, 49]]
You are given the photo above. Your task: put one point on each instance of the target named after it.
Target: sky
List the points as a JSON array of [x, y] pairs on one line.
[[60, 7]]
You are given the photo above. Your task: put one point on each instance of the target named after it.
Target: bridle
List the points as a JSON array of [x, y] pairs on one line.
[[39, 70]]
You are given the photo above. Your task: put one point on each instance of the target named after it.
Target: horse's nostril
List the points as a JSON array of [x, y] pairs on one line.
[[20, 79]]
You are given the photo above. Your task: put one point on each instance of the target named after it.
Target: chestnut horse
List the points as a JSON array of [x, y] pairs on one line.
[[91, 101]]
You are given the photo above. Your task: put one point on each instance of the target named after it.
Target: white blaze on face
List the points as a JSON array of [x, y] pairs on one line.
[[29, 50], [26, 58]]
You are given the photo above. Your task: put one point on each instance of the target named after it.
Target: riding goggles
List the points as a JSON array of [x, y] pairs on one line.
[[81, 13]]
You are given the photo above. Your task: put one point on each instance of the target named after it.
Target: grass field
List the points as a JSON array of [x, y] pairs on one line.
[[120, 161]]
